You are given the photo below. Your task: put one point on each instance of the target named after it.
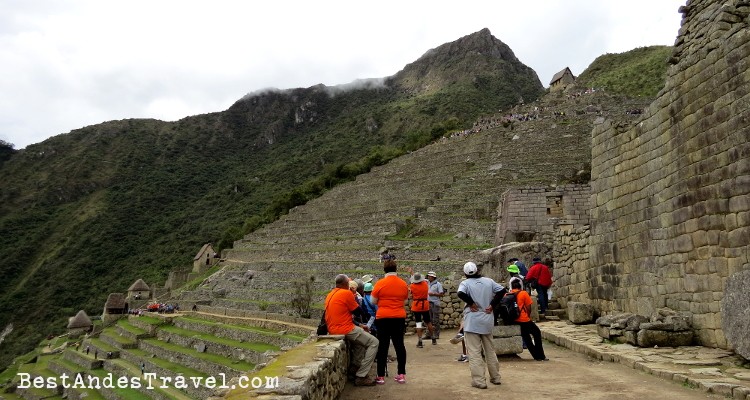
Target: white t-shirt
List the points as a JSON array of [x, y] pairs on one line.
[[481, 290]]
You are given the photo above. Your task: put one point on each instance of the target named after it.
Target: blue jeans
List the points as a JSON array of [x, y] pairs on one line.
[[542, 298]]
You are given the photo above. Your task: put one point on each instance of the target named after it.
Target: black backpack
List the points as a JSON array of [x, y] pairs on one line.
[[509, 310]]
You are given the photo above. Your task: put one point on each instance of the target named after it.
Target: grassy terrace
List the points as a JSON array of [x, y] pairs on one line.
[[123, 393], [256, 347], [170, 392], [168, 365], [214, 358], [255, 329], [124, 324], [123, 341], [73, 368], [101, 345], [151, 320]]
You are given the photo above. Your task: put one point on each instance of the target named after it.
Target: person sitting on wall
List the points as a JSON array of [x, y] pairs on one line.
[[340, 305]]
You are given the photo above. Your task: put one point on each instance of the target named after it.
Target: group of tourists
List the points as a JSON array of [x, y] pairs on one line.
[[372, 316]]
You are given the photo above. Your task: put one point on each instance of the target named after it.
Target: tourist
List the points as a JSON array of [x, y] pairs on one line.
[[479, 293], [390, 295], [529, 329], [540, 278], [420, 307], [522, 270], [369, 308], [434, 295], [339, 306], [460, 338], [514, 272]]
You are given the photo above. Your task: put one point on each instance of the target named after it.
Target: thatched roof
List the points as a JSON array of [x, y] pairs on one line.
[[139, 286], [206, 247], [115, 300], [81, 320], [560, 74]]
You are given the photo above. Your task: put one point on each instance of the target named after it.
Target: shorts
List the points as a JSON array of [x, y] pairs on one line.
[[420, 316]]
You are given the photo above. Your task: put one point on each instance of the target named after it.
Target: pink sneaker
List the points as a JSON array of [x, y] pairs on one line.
[[380, 380], [400, 378]]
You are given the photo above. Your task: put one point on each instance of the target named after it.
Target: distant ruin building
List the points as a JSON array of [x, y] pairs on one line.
[[115, 306], [79, 324], [139, 290], [562, 79], [205, 258], [527, 214]]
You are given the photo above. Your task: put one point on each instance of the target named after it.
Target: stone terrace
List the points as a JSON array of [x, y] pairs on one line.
[[444, 195]]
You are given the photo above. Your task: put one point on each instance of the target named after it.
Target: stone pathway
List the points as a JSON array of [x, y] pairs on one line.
[[592, 370], [711, 370]]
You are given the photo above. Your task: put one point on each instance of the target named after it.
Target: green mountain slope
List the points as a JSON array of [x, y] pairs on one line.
[[86, 213], [638, 72]]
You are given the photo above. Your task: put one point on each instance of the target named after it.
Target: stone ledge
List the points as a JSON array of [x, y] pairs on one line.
[[677, 364]]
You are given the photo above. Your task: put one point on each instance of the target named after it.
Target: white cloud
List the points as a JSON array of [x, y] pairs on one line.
[[71, 63]]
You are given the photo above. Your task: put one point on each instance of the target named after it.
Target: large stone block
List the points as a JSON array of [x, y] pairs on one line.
[[580, 313], [650, 338], [503, 331], [508, 345], [735, 313]]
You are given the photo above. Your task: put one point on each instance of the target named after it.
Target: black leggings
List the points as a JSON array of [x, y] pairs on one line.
[[529, 330], [391, 329]]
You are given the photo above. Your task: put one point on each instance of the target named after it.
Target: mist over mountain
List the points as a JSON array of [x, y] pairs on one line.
[[88, 212]]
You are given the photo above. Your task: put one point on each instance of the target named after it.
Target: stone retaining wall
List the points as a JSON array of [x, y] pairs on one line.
[[316, 370], [671, 194], [571, 254]]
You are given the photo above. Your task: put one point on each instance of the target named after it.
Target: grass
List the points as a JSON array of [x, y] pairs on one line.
[[123, 393], [124, 324], [161, 363], [255, 329], [151, 320], [254, 346], [214, 358]]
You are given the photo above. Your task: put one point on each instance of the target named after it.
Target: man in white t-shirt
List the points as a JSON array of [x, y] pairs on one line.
[[479, 293]]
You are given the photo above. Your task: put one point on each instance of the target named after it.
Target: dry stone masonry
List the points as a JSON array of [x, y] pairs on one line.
[[671, 194]]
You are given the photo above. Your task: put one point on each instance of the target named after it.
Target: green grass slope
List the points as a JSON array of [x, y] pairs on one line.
[[639, 72]]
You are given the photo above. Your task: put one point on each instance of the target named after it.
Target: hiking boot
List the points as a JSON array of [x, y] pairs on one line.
[[380, 380], [364, 381], [458, 338], [419, 344], [463, 358], [479, 385], [434, 341], [495, 381], [400, 378]]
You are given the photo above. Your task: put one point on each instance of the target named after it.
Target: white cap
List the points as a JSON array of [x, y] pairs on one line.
[[470, 268]]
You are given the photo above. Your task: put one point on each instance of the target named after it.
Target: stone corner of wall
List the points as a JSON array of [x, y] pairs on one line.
[[315, 369]]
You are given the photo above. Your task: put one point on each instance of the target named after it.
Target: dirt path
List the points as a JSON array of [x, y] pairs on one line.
[[433, 373]]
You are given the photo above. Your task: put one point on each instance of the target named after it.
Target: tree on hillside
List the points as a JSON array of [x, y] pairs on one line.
[[6, 151]]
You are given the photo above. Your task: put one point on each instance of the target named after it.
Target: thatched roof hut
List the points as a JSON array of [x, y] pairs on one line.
[[116, 304], [81, 320], [139, 286]]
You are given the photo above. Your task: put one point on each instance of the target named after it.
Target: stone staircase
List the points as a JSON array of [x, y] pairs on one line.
[[172, 347]]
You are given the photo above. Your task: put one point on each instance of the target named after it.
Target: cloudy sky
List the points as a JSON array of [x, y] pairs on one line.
[[65, 64]]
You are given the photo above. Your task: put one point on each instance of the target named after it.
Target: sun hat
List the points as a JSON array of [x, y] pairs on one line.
[[353, 284], [470, 268], [513, 268], [367, 278], [368, 287], [432, 274], [417, 278]]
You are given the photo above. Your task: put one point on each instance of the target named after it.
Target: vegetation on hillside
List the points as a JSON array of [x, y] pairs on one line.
[[639, 72], [87, 213]]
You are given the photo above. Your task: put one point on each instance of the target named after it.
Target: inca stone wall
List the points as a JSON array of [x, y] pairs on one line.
[[527, 211], [571, 254], [671, 195]]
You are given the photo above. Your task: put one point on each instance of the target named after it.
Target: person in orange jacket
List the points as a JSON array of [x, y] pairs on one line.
[[528, 327]]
